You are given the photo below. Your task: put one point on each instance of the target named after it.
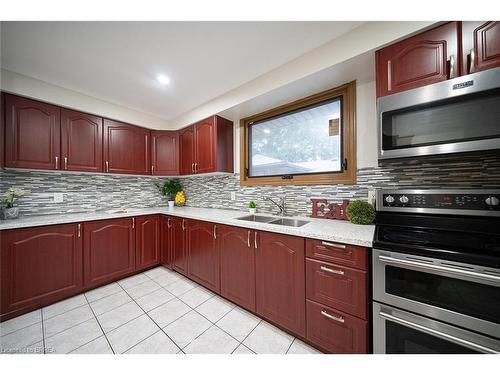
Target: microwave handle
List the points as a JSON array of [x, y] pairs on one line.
[[435, 267], [472, 61], [436, 333], [452, 67]]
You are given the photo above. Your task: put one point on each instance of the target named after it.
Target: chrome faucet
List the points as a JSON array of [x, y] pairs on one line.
[[281, 205]]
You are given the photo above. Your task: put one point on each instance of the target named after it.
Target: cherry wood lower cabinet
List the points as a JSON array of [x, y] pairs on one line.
[[280, 283], [147, 241], [237, 265], [178, 246], [203, 254], [39, 266], [335, 331], [109, 250]]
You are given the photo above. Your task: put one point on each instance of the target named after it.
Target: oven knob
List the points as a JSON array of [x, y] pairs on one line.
[[403, 199], [492, 201], [389, 199]]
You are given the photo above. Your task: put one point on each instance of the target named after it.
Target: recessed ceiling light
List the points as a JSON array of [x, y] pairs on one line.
[[163, 79]]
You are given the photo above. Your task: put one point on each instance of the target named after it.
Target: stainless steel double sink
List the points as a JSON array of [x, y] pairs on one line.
[[274, 220]]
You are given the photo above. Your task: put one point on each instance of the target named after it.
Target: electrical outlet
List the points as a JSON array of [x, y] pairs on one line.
[[58, 197], [372, 196], [233, 195]]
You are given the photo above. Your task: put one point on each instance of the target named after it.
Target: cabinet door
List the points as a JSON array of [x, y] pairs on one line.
[[166, 243], [32, 134], [165, 153], [237, 265], [109, 250], [205, 146], [481, 45], [186, 144], [39, 266], [81, 141], [147, 241], [280, 284], [418, 61], [126, 148], [203, 263], [178, 246]]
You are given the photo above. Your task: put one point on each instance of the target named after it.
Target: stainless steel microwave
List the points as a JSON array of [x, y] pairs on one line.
[[457, 115]]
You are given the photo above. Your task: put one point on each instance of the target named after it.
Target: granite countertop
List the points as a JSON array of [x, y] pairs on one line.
[[322, 229]]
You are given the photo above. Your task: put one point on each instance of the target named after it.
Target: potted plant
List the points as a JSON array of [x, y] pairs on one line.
[[252, 207], [169, 189], [360, 212], [9, 211]]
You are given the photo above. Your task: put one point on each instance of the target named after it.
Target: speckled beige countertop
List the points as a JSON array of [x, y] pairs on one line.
[[327, 230]]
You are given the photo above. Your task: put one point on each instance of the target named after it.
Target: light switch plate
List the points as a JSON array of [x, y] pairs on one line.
[[233, 195], [58, 197], [371, 197]]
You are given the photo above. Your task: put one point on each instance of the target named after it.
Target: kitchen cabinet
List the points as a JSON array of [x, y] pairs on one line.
[[203, 254], [280, 280], [178, 245], [480, 45], [147, 241], [165, 241], [423, 59], [207, 146], [237, 265], [338, 253], [81, 141], [335, 331], [39, 266], [126, 148], [186, 144], [2, 129], [108, 251], [164, 153], [32, 134]]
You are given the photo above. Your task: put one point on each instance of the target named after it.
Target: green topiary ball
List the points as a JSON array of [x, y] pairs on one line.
[[360, 212]]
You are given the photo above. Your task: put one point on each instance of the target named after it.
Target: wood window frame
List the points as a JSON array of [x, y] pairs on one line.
[[347, 176]]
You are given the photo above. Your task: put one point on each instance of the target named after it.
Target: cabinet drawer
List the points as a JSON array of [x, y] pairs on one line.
[[336, 286], [346, 255], [335, 331]]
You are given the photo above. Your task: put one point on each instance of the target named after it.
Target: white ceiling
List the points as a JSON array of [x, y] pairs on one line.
[[119, 61]]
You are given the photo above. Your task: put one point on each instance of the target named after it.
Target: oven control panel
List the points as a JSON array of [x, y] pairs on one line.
[[435, 201]]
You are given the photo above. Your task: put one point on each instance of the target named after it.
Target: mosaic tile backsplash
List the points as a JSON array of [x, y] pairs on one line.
[[90, 192]]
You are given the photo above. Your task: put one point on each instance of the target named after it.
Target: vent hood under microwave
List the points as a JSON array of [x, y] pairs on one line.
[[457, 115]]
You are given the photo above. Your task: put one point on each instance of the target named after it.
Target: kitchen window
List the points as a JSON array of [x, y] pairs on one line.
[[309, 141]]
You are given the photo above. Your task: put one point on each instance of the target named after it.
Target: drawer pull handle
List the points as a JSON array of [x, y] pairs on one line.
[[339, 319], [337, 272], [331, 244]]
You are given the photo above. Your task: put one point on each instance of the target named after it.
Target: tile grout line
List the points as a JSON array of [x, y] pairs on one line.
[[102, 330], [43, 331], [145, 313], [289, 346]]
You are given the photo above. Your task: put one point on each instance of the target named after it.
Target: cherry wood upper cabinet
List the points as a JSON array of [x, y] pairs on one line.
[[237, 265], [207, 146], [186, 144], [480, 45], [280, 280], [32, 134], [109, 250], [147, 241], [426, 58], [178, 244], [203, 254], [2, 129], [164, 153], [39, 266], [126, 148], [81, 141]]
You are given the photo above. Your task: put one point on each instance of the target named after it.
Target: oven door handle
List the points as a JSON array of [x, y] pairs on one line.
[[435, 267], [439, 334]]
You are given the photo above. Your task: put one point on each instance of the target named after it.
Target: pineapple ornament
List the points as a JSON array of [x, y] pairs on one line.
[[180, 199]]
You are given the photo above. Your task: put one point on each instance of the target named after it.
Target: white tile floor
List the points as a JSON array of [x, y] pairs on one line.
[[158, 311]]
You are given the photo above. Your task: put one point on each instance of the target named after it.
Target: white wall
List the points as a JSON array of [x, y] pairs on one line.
[[33, 88]]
